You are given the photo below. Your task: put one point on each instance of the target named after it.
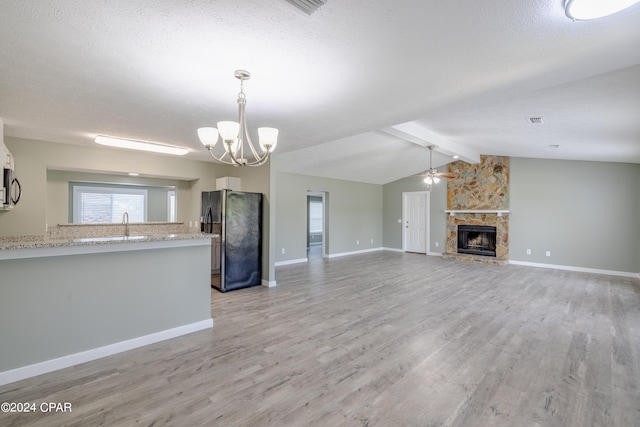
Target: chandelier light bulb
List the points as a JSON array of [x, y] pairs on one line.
[[208, 136], [268, 137], [228, 130]]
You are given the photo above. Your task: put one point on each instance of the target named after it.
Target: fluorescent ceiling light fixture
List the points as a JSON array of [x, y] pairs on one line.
[[141, 145], [592, 9]]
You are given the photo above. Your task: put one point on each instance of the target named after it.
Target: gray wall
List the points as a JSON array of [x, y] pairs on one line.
[[393, 211], [33, 159], [549, 199], [552, 203], [354, 214], [586, 213], [58, 191], [46, 202]]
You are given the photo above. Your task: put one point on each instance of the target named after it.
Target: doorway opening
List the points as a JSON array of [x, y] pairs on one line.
[[316, 224]]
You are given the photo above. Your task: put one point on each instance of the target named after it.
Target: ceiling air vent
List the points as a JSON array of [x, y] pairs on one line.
[[307, 6], [536, 120]]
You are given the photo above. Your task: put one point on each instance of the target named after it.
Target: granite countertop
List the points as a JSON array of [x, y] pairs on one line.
[[35, 242]]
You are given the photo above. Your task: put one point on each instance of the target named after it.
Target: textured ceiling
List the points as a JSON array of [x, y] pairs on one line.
[[343, 84]]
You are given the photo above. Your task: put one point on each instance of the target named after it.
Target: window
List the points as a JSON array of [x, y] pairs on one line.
[[171, 205], [99, 204], [315, 216]]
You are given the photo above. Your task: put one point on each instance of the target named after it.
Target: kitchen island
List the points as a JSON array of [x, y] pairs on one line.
[[68, 301]]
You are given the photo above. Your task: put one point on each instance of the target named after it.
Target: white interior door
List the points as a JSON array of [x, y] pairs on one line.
[[415, 222]]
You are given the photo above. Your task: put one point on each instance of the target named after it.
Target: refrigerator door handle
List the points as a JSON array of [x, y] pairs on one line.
[[208, 219]]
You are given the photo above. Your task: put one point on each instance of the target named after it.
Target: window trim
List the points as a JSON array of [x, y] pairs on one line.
[[172, 205]]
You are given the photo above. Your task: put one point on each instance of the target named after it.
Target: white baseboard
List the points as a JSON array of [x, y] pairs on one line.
[[100, 352], [580, 269], [269, 283], [291, 261], [364, 251]]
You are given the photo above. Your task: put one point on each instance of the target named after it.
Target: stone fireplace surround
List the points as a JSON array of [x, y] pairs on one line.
[[479, 196]]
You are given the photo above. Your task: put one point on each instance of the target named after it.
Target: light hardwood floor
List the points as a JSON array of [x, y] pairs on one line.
[[380, 339]]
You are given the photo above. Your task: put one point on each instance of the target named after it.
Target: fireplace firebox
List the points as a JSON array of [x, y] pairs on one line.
[[477, 240]]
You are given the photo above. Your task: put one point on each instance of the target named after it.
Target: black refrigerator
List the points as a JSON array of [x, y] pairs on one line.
[[237, 217]]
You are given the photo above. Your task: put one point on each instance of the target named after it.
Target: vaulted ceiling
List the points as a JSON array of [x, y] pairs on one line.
[[357, 88]]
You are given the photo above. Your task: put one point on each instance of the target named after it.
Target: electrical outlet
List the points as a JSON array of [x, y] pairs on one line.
[[528, 251], [548, 253], [357, 242], [282, 250], [372, 241], [437, 244]]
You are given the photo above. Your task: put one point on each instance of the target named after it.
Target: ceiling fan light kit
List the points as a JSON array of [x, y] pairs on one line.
[[235, 136], [432, 176], [431, 180], [593, 9]]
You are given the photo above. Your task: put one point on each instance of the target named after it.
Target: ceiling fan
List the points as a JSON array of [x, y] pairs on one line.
[[432, 176]]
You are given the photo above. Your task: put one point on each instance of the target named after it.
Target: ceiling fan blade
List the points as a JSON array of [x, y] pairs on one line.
[[448, 175]]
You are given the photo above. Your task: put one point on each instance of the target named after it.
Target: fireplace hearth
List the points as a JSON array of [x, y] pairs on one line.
[[477, 240]]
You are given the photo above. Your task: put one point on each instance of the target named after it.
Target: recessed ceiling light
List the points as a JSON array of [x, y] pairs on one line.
[[141, 145], [592, 9], [456, 156], [134, 174]]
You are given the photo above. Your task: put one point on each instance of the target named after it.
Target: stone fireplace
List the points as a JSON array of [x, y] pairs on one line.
[[478, 210]]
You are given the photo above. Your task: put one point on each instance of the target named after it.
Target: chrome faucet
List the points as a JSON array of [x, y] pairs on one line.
[[125, 221]]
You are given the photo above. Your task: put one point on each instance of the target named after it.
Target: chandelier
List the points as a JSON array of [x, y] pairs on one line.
[[238, 148]]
